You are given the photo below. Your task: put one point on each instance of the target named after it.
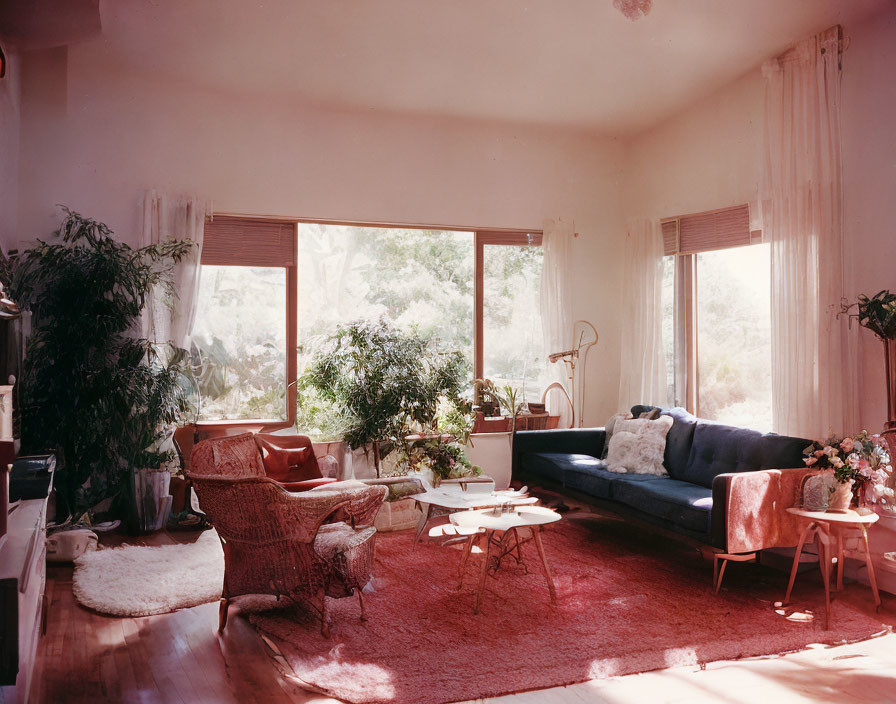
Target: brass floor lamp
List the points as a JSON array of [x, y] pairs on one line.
[[584, 337]]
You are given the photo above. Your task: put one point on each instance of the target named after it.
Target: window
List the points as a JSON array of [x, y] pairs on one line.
[[240, 332], [244, 324], [476, 292], [414, 279], [512, 347], [717, 317]]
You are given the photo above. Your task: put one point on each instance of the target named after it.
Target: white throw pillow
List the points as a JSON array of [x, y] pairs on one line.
[[609, 428], [637, 446]]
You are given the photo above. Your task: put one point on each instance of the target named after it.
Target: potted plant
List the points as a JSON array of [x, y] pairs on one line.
[[384, 383], [856, 466], [878, 314], [443, 457], [91, 391]]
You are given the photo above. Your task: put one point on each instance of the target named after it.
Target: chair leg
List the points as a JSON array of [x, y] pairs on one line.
[[222, 614], [361, 604]]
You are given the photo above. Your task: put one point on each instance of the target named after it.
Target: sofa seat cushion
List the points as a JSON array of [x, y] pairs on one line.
[[552, 465], [686, 505], [579, 472]]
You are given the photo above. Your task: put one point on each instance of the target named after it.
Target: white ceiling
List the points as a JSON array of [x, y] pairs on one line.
[[571, 63]]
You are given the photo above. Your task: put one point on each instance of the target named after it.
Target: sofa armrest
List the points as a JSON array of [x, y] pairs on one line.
[[749, 509], [579, 441]]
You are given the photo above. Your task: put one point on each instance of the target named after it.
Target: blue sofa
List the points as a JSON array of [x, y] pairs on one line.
[[702, 457]]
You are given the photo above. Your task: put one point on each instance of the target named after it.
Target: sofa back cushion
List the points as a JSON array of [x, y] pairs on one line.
[[678, 442], [720, 449]]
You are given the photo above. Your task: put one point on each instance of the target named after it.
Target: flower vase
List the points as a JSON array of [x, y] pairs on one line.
[[815, 493], [841, 496]]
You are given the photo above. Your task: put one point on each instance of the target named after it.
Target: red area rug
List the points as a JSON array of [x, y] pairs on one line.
[[628, 601]]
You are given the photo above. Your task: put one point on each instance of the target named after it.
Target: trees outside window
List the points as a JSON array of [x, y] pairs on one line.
[[417, 280]]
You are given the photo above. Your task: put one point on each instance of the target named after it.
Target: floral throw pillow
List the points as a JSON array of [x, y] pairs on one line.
[[637, 446]]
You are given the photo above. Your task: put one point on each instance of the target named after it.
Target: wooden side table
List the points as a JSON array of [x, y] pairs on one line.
[[827, 528]]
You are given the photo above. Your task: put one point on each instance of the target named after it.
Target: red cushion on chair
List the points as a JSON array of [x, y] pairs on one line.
[[308, 484], [288, 458]]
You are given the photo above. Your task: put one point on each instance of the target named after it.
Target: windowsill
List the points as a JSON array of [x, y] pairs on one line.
[[241, 421]]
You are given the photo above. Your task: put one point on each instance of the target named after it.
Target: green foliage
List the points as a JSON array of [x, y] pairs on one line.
[[446, 459], [456, 418], [878, 314], [98, 397], [319, 418], [383, 381]]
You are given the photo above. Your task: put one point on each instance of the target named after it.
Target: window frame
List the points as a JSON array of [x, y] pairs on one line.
[[482, 236], [266, 424], [686, 381]]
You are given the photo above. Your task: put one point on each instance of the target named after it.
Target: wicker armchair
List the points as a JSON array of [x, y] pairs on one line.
[[276, 542]]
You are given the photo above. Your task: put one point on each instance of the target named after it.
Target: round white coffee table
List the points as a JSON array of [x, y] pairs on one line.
[[502, 539], [446, 499]]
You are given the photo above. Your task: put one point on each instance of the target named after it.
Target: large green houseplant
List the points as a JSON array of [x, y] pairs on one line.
[[384, 383], [92, 391]]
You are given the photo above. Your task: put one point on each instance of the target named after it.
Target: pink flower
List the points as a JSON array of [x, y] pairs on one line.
[[810, 461], [847, 445], [819, 453], [853, 460]]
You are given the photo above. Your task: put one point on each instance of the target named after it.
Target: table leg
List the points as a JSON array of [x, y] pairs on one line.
[[796, 560], [871, 577], [483, 570], [466, 556], [536, 535], [839, 559], [421, 524], [824, 560]]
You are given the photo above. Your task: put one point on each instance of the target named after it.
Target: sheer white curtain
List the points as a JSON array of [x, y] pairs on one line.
[[556, 307], [813, 385], [178, 217], [642, 371]]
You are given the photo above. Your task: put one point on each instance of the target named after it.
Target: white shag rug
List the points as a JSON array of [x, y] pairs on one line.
[[140, 581]]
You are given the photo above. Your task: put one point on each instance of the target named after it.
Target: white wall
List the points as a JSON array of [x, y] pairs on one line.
[[10, 108], [869, 185], [93, 138], [708, 157]]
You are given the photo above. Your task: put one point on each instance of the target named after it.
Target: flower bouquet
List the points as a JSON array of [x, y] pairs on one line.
[[861, 461]]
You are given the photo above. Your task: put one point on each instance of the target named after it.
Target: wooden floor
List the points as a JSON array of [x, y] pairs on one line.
[[180, 658]]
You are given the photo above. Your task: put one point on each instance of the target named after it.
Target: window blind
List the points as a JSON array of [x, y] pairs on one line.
[[235, 241], [715, 229]]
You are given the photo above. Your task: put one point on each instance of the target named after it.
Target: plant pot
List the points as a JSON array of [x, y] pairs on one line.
[[490, 408], [149, 500], [492, 452]]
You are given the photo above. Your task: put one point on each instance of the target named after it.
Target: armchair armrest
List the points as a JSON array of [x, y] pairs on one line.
[[749, 509], [579, 441], [361, 502]]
